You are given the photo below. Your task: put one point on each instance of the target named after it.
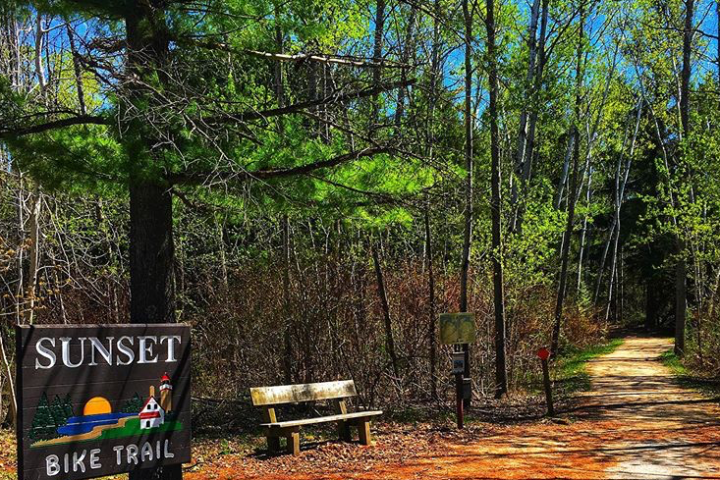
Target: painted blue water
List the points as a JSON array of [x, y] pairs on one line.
[[85, 423]]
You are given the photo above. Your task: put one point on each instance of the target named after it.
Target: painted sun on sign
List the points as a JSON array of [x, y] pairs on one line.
[[55, 423]]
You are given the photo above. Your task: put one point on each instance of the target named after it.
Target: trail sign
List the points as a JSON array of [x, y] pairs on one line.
[[458, 359], [457, 328], [543, 353], [99, 400]]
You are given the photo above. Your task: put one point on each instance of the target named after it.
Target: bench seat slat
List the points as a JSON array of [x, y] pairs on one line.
[[329, 418]]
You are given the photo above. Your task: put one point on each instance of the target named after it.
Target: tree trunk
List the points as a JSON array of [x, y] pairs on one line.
[[522, 128], [40, 71], [77, 69], [288, 324], [378, 43], [152, 290], [382, 294], [619, 198], [681, 267], [407, 51], [583, 236], [496, 206], [532, 122], [565, 246], [432, 330], [469, 204], [565, 171], [33, 254]]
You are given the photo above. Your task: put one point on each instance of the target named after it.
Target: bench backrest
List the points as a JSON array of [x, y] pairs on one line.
[[308, 392]]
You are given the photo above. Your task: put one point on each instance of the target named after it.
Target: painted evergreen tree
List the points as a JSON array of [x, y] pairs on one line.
[[61, 410], [133, 405], [68, 407], [44, 426]]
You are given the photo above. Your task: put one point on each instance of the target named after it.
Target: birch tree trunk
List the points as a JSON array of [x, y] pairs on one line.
[[33, 254], [565, 246], [379, 40]]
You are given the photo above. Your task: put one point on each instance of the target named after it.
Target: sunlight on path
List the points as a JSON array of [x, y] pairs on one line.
[[663, 431]]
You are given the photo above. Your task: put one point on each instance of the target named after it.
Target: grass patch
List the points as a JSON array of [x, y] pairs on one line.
[[570, 371], [687, 377]]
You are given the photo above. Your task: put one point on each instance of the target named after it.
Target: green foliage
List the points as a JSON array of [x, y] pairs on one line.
[[133, 405]]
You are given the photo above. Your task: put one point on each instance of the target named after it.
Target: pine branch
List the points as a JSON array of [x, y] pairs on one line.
[[268, 174]]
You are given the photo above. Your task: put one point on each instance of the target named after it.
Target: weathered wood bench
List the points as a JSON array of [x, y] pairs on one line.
[[337, 392]]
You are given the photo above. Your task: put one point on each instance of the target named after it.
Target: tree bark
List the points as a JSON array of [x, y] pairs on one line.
[[619, 199], [432, 330], [33, 254], [532, 122], [152, 290], [583, 236], [469, 204], [407, 51], [681, 267], [522, 128], [382, 294], [496, 207], [378, 43], [565, 246], [77, 69]]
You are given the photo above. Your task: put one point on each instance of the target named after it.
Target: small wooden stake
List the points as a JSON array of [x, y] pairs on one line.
[[544, 354]]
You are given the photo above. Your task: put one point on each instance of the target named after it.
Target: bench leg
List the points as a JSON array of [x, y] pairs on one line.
[[364, 431], [273, 443], [293, 443], [344, 432]]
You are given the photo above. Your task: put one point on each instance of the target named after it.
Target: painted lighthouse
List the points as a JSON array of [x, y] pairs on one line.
[[153, 412]]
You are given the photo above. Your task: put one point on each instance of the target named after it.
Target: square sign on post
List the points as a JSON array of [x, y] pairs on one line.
[[458, 359], [457, 328], [98, 400]]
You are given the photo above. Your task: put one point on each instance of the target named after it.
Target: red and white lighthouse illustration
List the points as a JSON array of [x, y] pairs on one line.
[[153, 412], [166, 393]]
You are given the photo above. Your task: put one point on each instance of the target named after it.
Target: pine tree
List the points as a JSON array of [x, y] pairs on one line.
[[133, 405], [44, 426]]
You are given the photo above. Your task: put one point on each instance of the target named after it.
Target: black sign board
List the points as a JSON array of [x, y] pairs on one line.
[[98, 400]]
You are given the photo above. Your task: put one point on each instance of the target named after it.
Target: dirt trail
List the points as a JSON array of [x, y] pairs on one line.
[[663, 431], [635, 423]]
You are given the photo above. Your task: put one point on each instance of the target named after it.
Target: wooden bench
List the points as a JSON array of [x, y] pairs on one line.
[[337, 392]]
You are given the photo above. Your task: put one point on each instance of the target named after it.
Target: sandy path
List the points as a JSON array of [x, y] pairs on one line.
[[662, 431]]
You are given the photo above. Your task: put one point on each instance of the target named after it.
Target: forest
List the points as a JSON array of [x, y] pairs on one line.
[[310, 184]]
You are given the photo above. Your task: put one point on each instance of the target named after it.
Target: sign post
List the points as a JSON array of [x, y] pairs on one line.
[[458, 329], [458, 358], [544, 355], [98, 400]]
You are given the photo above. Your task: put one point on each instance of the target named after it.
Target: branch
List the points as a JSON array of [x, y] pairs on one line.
[[322, 58], [43, 127], [267, 174], [335, 97], [348, 61]]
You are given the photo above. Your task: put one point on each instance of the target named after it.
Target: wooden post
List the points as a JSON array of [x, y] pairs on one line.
[[459, 399], [343, 426], [459, 365], [544, 354], [293, 443], [364, 432]]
